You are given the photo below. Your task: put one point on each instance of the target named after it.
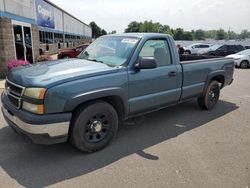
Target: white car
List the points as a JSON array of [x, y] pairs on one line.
[[241, 59], [196, 48]]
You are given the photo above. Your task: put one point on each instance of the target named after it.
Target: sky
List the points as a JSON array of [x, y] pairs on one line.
[[187, 14]]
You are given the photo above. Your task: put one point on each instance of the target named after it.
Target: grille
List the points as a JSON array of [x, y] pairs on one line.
[[15, 101], [14, 93]]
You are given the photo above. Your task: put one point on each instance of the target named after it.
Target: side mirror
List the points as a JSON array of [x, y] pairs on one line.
[[146, 63]]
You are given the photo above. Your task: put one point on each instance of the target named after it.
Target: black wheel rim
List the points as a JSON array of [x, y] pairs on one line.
[[213, 95], [97, 128], [244, 64]]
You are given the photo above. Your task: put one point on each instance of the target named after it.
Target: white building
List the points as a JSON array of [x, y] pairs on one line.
[[29, 28]]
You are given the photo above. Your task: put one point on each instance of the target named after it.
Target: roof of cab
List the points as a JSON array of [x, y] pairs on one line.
[[140, 35]]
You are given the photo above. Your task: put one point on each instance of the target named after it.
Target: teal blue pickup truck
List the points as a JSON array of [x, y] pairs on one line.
[[83, 100]]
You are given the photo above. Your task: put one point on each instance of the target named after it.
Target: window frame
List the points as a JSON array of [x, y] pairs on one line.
[[167, 45]]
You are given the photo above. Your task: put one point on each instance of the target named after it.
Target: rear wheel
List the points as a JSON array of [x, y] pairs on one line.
[[244, 64], [211, 96], [94, 127]]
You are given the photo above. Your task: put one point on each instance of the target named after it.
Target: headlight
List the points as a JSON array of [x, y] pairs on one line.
[[35, 93], [34, 108]]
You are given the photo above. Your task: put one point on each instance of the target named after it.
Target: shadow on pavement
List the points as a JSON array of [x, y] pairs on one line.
[[37, 166]]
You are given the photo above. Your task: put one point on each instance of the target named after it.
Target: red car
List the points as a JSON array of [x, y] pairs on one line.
[[72, 53]]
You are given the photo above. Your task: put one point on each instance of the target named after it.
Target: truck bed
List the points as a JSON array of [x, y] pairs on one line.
[[187, 57], [196, 72]]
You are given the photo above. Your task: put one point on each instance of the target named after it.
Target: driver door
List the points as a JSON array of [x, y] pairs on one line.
[[153, 88]]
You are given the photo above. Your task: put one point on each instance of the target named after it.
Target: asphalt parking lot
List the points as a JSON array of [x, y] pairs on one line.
[[180, 146]]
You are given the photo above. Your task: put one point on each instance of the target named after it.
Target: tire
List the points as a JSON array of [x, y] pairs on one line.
[[94, 127], [211, 96], [244, 64], [66, 57], [188, 52]]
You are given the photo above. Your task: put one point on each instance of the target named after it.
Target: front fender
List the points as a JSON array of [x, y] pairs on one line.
[[81, 98]]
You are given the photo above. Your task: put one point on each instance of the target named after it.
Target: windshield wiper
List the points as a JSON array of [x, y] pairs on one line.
[[95, 60]]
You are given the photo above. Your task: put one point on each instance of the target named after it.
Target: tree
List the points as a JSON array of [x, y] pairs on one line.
[[178, 34], [103, 32], [150, 27], [133, 27], [221, 34], [232, 35], [244, 34], [211, 34], [96, 30], [199, 34], [187, 36], [113, 32], [181, 34], [166, 29]]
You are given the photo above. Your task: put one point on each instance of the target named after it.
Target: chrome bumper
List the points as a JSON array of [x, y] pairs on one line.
[[53, 130]]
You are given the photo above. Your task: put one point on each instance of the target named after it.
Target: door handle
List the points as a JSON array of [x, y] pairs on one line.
[[172, 74]]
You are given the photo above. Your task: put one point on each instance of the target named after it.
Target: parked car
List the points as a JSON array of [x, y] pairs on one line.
[[224, 49], [71, 53], [195, 48], [115, 78], [241, 59]]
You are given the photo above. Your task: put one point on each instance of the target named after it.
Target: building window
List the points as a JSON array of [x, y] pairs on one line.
[[58, 39], [46, 37]]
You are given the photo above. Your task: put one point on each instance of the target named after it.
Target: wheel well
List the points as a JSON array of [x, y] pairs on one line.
[[115, 101], [220, 79]]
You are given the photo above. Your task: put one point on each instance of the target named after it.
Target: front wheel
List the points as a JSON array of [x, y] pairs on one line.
[[244, 64], [211, 96], [94, 127]]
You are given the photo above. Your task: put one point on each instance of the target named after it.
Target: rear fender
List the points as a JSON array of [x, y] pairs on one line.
[[210, 78]]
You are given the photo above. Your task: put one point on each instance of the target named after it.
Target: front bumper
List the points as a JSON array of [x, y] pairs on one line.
[[42, 129], [237, 62]]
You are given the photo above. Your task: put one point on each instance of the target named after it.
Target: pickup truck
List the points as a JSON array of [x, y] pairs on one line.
[[83, 100]]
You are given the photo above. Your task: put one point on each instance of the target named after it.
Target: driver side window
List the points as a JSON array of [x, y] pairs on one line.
[[157, 49]]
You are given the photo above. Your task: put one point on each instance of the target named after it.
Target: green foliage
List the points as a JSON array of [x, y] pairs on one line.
[[232, 35], [96, 30], [133, 27], [181, 34], [221, 34], [147, 27], [150, 27], [199, 34], [113, 32], [244, 34]]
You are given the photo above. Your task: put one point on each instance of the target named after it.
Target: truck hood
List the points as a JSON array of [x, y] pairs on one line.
[[51, 73]]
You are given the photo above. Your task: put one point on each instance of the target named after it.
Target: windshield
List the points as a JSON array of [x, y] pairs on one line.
[[215, 47], [113, 51], [244, 52]]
